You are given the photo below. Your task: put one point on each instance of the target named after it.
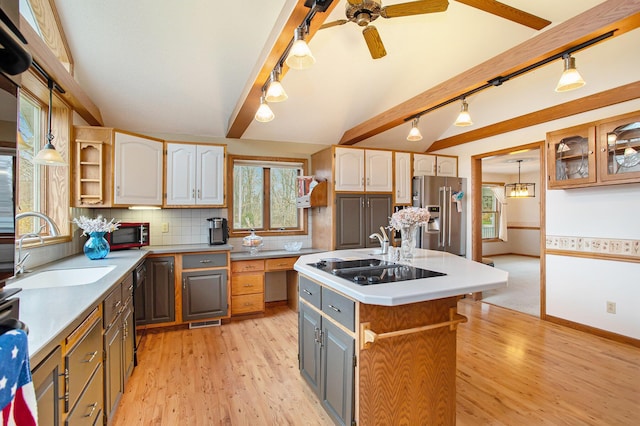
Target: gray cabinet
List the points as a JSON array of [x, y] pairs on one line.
[[155, 299], [48, 384], [358, 216], [326, 352], [204, 294]]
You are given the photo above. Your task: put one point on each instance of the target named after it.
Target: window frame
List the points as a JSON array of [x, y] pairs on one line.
[[267, 230], [496, 212]]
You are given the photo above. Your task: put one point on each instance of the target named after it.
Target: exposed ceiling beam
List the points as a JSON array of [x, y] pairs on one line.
[[619, 15], [248, 104], [588, 103]]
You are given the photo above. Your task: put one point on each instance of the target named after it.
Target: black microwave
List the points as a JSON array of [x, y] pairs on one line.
[[129, 235]]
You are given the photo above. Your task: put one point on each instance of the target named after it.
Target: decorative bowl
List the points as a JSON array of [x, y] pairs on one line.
[[293, 246]]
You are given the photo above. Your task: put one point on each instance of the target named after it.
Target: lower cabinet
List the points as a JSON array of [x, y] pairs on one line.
[[155, 299], [204, 295], [326, 351], [49, 388]]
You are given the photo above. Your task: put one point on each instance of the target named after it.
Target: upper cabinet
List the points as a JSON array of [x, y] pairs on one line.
[[434, 165], [359, 170], [138, 167], [195, 175], [92, 167], [571, 159], [402, 194], [619, 153]]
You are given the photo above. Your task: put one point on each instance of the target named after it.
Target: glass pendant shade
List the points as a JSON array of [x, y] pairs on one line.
[[464, 118], [300, 56], [275, 91], [571, 78], [414, 133], [629, 151], [264, 113], [48, 155]]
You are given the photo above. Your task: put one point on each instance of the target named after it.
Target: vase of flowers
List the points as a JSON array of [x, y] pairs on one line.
[[407, 222], [96, 246]]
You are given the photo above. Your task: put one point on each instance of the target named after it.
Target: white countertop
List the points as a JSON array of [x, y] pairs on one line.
[[463, 276]]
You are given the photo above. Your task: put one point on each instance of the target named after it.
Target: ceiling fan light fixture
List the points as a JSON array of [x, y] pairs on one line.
[[414, 133], [571, 78], [464, 118], [264, 113], [275, 91], [300, 56], [48, 156]]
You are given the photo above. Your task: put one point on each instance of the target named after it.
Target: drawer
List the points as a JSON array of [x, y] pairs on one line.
[[339, 308], [88, 410], [112, 305], [309, 291], [247, 266], [82, 361], [206, 260], [281, 264], [247, 303], [127, 288], [247, 284]]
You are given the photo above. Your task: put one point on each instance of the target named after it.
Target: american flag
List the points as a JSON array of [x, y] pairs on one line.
[[17, 395]]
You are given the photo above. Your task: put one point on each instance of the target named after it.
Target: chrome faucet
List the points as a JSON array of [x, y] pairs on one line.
[[21, 260], [52, 226], [384, 243]]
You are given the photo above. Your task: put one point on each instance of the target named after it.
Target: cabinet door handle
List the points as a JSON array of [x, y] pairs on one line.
[[93, 408], [199, 196], [118, 303], [92, 355], [334, 308], [184, 283], [304, 290], [193, 193]]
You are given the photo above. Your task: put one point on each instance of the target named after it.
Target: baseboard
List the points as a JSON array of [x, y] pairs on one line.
[[593, 330]]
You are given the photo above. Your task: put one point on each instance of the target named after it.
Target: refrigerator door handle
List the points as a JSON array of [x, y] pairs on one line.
[[448, 202], [443, 223]]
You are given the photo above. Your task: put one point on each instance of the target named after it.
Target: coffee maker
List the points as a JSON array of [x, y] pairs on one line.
[[218, 231]]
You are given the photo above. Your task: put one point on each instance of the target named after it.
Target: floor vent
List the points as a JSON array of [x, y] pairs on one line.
[[202, 324]]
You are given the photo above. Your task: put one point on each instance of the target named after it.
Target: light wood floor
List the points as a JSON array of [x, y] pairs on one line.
[[513, 369]]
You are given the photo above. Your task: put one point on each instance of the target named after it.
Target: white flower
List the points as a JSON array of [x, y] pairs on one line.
[[409, 216], [98, 224]]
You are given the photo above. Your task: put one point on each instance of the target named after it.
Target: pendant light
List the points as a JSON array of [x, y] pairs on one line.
[[300, 56], [464, 118], [571, 78], [48, 155], [275, 91], [264, 113], [414, 133], [520, 190]]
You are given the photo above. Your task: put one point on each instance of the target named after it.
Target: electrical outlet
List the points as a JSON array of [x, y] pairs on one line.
[[165, 227], [611, 307]]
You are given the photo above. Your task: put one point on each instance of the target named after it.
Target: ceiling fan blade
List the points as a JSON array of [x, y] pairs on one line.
[[508, 12], [414, 8], [374, 42], [333, 23]]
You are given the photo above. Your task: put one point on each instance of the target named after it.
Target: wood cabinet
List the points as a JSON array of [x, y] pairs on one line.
[[358, 216], [92, 168], [138, 170], [434, 165], [204, 286], [48, 384], [157, 295], [402, 182], [361, 170], [195, 175], [571, 159], [247, 287], [619, 149], [326, 351]]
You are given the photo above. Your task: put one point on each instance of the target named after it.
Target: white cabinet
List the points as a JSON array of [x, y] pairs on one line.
[[137, 170], [403, 178], [195, 174], [360, 170], [434, 165]]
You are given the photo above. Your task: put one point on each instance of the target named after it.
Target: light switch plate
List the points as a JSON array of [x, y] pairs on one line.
[[165, 227]]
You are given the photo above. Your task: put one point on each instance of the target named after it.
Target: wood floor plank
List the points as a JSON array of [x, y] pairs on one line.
[[512, 369]]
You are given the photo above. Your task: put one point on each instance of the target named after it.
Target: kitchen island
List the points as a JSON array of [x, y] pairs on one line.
[[385, 353]]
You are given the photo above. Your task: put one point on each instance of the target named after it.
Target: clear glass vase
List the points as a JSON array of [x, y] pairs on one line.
[[408, 234], [96, 247]]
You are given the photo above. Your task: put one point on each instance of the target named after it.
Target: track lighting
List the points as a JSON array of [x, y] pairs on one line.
[[300, 56], [275, 91], [464, 119], [414, 133], [48, 156], [264, 113], [571, 78]]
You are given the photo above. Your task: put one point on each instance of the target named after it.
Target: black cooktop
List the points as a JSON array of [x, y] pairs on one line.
[[373, 271]]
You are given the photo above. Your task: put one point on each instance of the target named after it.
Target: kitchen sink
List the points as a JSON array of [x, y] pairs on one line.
[[63, 277]]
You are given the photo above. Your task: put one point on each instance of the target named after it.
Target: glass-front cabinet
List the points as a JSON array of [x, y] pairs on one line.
[[571, 157], [619, 150]]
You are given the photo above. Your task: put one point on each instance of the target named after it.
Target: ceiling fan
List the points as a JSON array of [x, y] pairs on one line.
[[364, 12]]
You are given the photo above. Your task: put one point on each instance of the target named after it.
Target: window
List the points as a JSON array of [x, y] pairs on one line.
[[490, 212], [264, 196], [30, 132]]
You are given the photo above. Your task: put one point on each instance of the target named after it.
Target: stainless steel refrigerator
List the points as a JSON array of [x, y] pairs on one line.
[[444, 198]]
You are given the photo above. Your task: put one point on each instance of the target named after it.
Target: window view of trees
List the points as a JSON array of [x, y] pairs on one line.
[[248, 191], [490, 214], [284, 213]]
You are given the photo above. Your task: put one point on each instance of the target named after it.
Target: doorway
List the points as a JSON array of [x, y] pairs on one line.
[[510, 231]]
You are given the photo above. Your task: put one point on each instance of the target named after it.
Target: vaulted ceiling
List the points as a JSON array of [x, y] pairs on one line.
[[192, 69]]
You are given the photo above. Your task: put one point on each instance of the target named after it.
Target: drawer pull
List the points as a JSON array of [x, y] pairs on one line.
[[248, 285], [118, 303], [93, 408], [250, 267], [205, 261], [334, 308], [91, 357], [307, 291], [248, 304]]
